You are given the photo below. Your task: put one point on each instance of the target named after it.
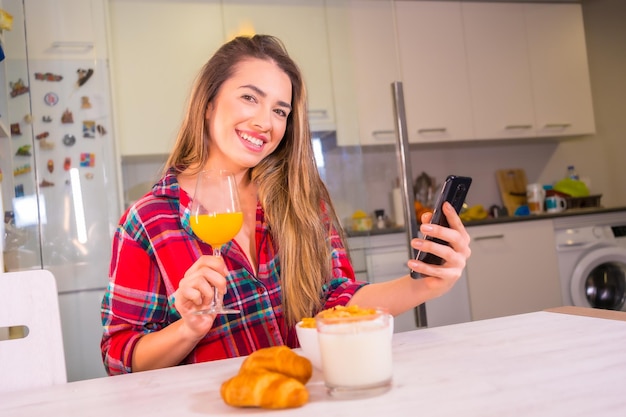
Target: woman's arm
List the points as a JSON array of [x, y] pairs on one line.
[[170, 345], [404, 293]]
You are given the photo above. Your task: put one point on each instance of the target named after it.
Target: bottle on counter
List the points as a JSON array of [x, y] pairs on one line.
[[571, 173]]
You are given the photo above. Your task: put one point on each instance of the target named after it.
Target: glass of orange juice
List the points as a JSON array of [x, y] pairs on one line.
[[216, 218]]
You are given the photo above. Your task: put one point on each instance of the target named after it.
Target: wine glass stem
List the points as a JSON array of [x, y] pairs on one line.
[[216, 304]]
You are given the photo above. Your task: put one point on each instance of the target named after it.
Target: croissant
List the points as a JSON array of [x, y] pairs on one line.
[[280, 359], [259, 388]]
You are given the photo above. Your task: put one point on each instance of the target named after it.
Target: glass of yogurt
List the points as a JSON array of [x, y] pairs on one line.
[[356, 352]]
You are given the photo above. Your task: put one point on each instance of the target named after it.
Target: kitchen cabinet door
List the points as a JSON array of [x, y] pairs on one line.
[[65, 29], [155, 58], [301, 25], [498, 70], [434, 71], [374, 65], [513, 269], [560, 73]]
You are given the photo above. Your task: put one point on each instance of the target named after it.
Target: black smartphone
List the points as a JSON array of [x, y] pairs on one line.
[[454, 191]]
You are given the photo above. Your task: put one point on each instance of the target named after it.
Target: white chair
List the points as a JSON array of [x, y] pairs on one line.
[[30, 299]]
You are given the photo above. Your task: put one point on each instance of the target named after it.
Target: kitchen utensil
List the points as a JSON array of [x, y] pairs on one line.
[[512, 185]]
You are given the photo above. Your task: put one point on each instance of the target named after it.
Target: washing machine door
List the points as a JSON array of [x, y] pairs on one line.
[[599, 279]]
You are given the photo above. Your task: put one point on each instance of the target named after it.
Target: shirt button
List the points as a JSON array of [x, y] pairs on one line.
[[260, 290]]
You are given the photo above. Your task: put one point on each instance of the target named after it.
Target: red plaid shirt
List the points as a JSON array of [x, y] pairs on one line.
[[152, 249]]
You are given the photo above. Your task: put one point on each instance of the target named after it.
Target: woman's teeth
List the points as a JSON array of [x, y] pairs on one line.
[[254, 141]]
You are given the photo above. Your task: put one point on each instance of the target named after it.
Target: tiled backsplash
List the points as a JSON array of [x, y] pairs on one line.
[[363, 177]]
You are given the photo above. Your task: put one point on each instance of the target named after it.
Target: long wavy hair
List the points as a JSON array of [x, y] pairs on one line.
[[297, 204]]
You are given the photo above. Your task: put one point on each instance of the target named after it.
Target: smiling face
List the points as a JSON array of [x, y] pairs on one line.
[[247, 119]]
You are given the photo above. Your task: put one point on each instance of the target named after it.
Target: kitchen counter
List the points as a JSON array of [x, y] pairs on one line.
[[566, 213], [506, 219], [536, 364]]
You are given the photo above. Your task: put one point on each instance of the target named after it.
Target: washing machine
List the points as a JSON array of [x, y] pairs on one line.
[[591, 251]]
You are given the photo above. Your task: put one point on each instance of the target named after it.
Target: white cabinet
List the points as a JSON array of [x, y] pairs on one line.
[[470, 70], [65, 29], [301, 25], [155, 57], [372, 59], [559, 70], [434, 71], [527, 69], [385, 257], [497, 56], [513, 269]]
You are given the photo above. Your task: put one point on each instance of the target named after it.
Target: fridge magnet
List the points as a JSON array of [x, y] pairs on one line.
[[23, 150], [67, 163], [6, 20], [50, 166], [89, 175], [45, 183], [48, 76], [18, 88], [87, 159], [42, 135], [1, 175], [15, 129], [101, 130], [24, 169], [83, 76], [69, 140], [46, 119], [45, 145], [51, 99], [28, 118], [89, 129], [19, 190], [67, 117], [85, 103]]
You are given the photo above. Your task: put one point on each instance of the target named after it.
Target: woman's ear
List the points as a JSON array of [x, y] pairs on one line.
[[209, 109]]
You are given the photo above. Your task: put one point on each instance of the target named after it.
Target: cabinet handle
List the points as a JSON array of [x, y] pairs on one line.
[[318, 114], [383, 132], [75, 47], [432, 130], [488, 237], [518, 127], [557, 125]]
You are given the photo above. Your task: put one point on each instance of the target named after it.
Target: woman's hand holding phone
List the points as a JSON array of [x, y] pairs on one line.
[[445, 247]]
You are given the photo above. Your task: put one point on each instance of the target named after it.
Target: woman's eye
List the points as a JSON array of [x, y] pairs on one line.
[[281, 112], [249, 97]]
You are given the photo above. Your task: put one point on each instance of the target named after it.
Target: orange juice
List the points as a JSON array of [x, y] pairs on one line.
[[217, 229]]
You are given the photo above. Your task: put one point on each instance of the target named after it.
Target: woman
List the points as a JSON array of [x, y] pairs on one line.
[[247, 114]]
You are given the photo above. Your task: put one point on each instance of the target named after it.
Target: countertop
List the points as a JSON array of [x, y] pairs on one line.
[[535, 364], [499, 220]]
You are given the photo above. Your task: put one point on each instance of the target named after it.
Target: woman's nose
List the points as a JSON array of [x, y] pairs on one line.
[[262, 119]]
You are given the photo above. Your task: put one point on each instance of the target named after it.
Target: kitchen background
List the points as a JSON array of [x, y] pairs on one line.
[[597, 157], [153, 49]]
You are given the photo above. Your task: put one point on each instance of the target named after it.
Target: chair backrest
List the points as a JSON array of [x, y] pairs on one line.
[[29, 299]]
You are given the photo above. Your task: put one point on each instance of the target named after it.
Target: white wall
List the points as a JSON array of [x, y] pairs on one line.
[[606, 48]]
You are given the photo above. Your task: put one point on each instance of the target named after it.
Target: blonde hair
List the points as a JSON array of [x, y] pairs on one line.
[[297, 204]]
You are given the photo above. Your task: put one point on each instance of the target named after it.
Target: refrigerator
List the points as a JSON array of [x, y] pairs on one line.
[[60, 183]]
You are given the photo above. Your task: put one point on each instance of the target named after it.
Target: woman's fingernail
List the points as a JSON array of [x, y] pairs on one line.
[[427, 228]]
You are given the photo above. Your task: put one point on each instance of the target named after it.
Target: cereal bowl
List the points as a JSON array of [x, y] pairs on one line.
[[307, 336]]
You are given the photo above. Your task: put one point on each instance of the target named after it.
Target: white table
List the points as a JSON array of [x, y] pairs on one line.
[[536, 364]]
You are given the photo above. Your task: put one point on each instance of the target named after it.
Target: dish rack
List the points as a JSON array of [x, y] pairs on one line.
[[583, 202]]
